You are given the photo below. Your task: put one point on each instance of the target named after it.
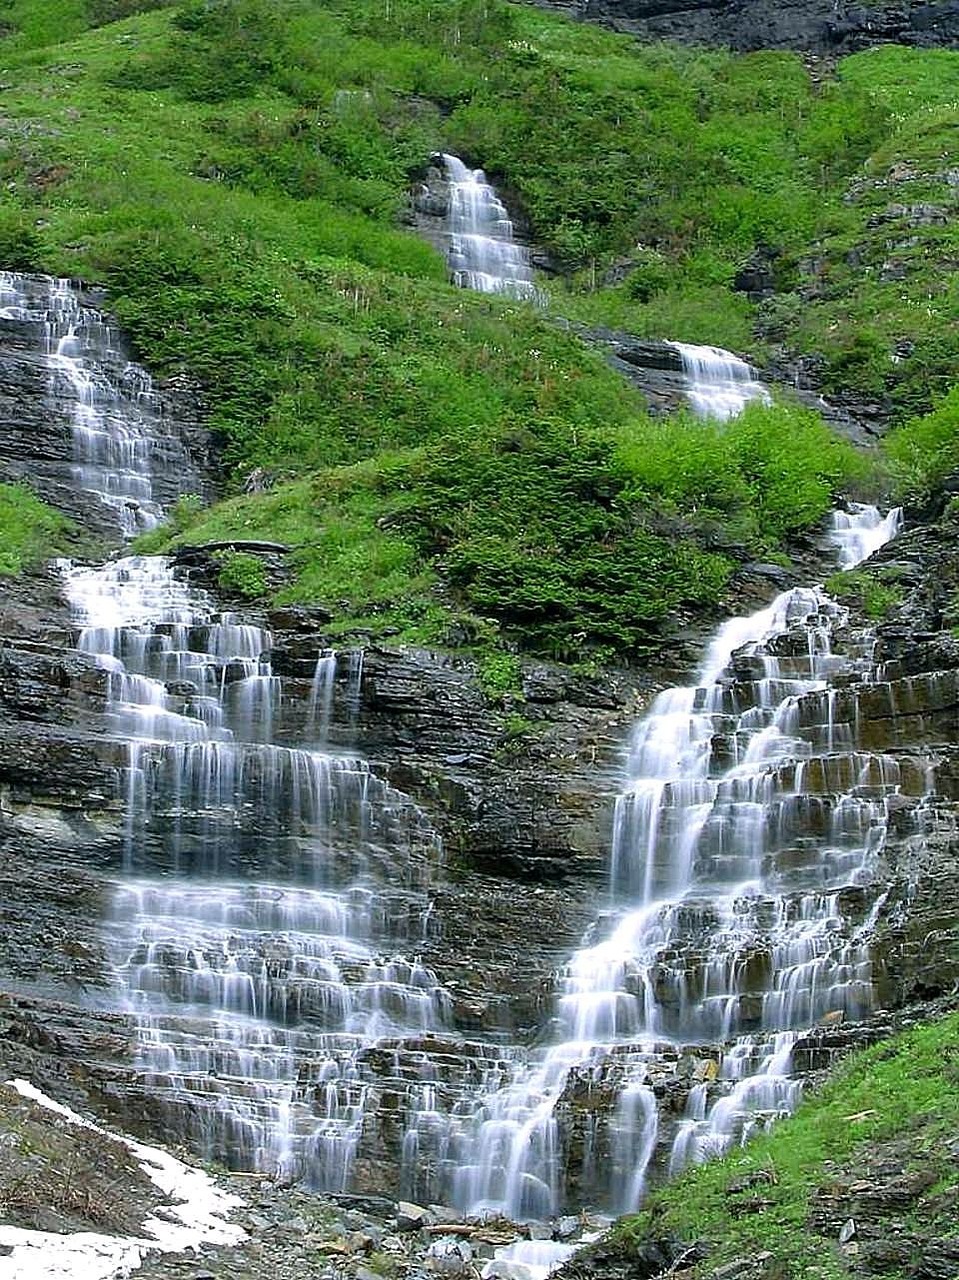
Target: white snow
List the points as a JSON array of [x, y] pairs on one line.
[[197, 1217]]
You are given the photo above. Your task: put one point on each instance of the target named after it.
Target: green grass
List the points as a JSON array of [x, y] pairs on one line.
[[925, 450], [30, 531], [907, 1087], [875, 593], [236, 173]]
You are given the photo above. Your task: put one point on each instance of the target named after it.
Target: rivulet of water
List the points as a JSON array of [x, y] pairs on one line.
[[720, 384], [483, 253]]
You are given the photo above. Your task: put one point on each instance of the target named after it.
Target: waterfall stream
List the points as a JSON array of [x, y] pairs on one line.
[[265, 923], [253, 938], [743, 900], [483, 254], [720, 384]]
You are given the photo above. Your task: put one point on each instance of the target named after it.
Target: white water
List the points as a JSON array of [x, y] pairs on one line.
[[112, 449], [728, 922], [248, 936], [720, 384], [253, 941], [483, 254]]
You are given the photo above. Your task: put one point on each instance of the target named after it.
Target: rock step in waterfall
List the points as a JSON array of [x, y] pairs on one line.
[[266, 925]]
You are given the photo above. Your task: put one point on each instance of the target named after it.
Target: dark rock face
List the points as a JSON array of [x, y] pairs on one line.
[[815, 26]]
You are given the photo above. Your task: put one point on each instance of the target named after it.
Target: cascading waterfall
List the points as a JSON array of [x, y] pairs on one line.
[[747, 816], [482, 252], [112, 448], [270, 891], [720, 384], [251, 940]]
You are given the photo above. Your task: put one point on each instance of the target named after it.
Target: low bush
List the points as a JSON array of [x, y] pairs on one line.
[[30, 531]]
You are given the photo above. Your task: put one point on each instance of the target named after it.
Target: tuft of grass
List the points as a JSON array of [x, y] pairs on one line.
[[30, 531], [870, 590], [242, 574]]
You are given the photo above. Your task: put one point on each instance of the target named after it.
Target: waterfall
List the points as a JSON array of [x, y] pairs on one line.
[[111, 400], [747, 813], [266, 888], [482, 252], [273, 896], [720, 384]]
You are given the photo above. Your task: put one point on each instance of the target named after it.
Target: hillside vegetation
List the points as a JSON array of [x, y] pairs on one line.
[[30, 531], [446, 467], [862, 1180]]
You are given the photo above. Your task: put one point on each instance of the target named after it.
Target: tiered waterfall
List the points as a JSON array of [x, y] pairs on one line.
[[483, 253], [252, 946], [272, 895], [742, 902]]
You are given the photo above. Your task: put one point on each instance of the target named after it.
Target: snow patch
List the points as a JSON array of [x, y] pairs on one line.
[[197, 1217]]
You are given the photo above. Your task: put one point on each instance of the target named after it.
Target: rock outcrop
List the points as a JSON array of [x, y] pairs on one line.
[[813, 26]]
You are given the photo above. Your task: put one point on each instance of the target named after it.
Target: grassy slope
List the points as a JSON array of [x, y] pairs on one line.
[[899, 1100], [445, 465], [30, 531]]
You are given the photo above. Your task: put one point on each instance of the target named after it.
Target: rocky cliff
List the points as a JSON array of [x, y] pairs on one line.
[[813, 26]]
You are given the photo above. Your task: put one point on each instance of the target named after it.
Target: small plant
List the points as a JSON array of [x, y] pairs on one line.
[[867, 590], [242, 574], [500, 675], [182, 516]]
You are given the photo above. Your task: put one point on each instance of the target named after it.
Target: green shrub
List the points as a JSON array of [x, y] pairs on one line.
[[20, 244], [242, 574], [30, 531], [925, 450], [499, 674], [875, 596]]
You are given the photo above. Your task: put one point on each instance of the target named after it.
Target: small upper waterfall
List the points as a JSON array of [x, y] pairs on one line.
[[482, 252], [720, 384]]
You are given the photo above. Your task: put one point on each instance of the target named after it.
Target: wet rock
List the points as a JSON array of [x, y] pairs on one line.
[[410, 1217]]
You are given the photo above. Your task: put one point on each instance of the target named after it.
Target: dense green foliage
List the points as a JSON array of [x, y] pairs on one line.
[[443, 464], [606, 534], [925, 451], [30, 531], [907, 1087]]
